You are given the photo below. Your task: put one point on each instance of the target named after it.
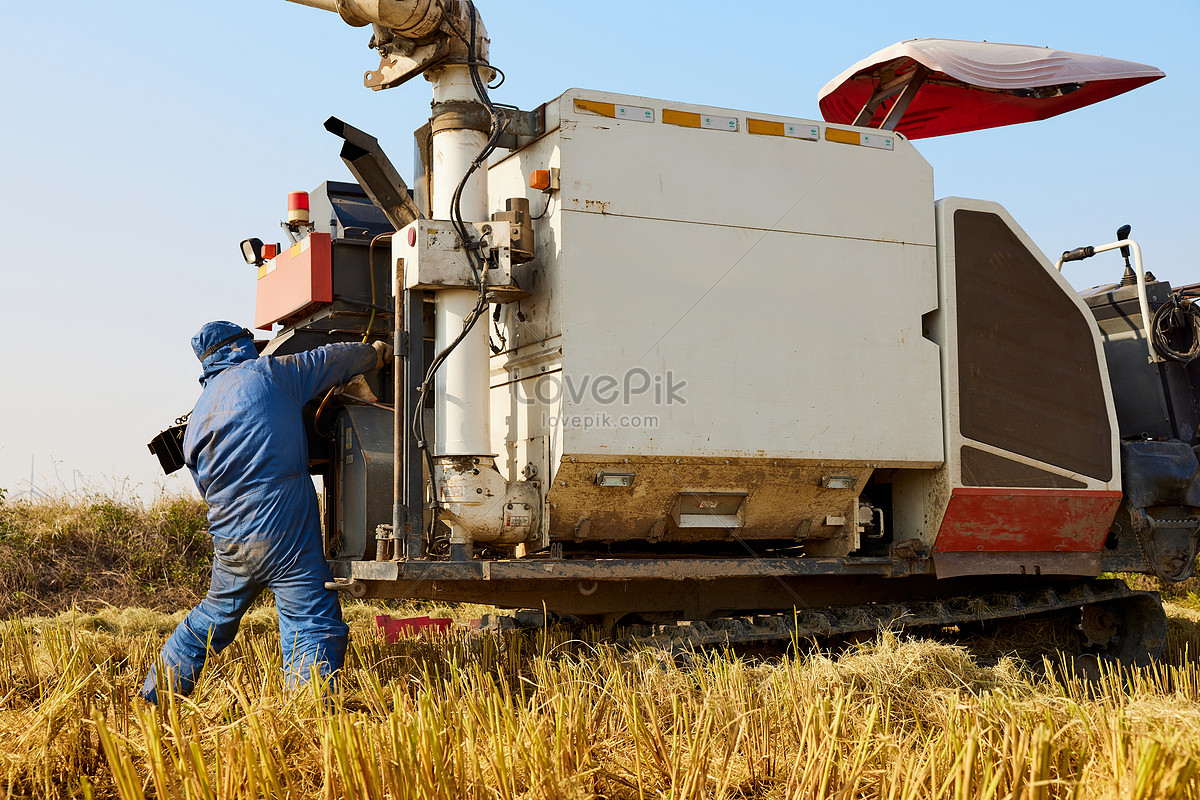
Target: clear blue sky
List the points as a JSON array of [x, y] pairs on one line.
[[141, 141]]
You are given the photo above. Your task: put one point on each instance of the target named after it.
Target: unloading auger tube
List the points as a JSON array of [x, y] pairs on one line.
[[411, 19], [411, 36], [447, 42]]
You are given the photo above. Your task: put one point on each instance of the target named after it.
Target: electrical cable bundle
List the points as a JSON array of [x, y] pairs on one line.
[[1171, 318]]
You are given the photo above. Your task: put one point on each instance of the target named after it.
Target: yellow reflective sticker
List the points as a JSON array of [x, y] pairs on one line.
[[596, 107], [762, 127], [845, 137], [685, 119]]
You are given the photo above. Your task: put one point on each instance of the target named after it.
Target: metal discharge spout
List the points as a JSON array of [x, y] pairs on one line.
[[474, 495], [411, 19]]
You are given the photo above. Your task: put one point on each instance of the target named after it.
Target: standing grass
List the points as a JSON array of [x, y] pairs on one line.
[[545, 716], [91, 550]]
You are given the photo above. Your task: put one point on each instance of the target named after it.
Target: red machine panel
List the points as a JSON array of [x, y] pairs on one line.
[[294, 280], [1026, 520]]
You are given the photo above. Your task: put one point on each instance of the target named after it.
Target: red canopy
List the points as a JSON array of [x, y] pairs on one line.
[[965, 86]]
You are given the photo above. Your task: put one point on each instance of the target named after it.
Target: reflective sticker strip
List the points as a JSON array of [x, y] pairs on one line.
[[762, 127], [792, 130], [266, 269], [684, 119], [294, 251], [845, 137], [687, 119], [596, 107], [613, 111], [875, 140]]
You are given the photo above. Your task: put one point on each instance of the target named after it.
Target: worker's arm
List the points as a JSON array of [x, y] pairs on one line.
[[308, 374]]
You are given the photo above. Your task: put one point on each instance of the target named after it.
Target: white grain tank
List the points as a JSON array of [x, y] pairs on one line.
[[724, 334]]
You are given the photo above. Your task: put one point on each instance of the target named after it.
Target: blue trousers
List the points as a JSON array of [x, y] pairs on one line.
[[310, 619]]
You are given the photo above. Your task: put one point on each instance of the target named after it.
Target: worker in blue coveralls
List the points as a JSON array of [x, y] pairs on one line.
[[248, 453]]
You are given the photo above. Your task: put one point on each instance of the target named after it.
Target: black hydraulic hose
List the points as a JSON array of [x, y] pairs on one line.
[[478, 263]]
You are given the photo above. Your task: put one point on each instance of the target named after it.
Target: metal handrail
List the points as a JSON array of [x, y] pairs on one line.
[[1143, 301]]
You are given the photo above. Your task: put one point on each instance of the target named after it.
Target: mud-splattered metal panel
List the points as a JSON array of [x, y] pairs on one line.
[[782, 500]]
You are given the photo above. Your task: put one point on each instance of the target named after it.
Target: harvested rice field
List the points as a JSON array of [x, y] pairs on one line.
[[548, 715]]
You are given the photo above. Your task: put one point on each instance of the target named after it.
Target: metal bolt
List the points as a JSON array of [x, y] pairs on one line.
[[479, 491], [510, 506]]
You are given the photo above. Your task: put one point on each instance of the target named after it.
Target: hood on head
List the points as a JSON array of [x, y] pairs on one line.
[[220, 345]]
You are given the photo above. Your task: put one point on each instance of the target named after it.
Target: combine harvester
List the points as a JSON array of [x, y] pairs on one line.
[[788, 393]]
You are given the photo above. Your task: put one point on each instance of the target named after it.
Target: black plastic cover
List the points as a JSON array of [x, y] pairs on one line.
[[1159, 473], [344, 211], [168, 446]]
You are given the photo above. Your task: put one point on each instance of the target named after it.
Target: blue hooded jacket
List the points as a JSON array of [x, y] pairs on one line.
[[245, 443]]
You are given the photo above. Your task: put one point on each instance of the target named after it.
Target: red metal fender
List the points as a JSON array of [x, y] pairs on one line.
[[1026, 520]]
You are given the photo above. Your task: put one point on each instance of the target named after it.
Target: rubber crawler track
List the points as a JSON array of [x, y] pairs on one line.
[[1135, 621]]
